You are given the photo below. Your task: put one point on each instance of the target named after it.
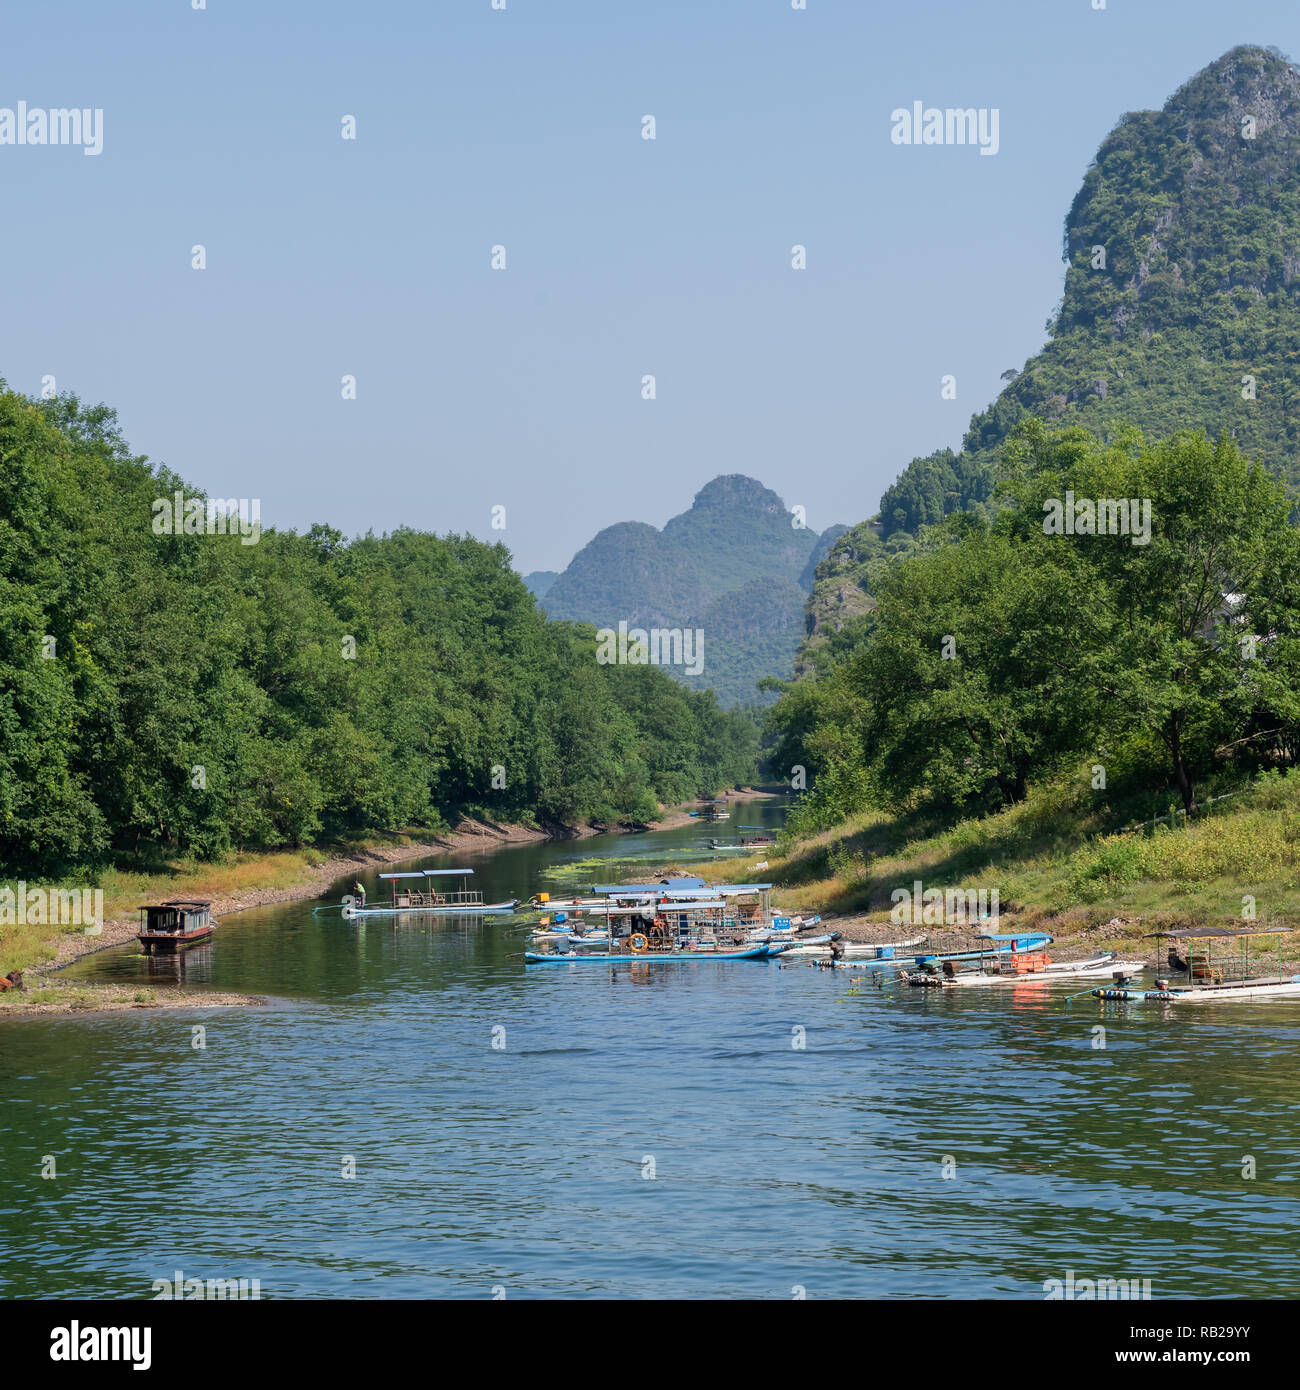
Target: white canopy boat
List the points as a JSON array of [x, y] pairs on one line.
[[405, 896]]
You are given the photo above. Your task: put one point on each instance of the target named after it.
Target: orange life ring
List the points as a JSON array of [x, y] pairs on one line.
[[638, 937]]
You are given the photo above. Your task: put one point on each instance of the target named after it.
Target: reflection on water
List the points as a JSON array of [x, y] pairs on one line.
[[521, 1164]]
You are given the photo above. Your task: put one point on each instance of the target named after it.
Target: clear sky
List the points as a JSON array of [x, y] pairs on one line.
[[523, 127]]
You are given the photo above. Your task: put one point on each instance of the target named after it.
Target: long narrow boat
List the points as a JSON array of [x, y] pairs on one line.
[[1205, 976], [1107, 963], [763, 951], [406, 898], [1002, 945], [859, 950]]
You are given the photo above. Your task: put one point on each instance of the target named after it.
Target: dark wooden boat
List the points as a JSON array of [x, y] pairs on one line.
[[175, 924]]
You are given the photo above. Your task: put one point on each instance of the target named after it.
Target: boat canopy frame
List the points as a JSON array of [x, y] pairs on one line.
[[1202, 970]]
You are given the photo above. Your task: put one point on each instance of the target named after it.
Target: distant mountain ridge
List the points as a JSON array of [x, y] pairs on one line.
[[734, 564], [1181, 308]]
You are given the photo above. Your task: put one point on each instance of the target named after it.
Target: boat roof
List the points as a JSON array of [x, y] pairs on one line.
[[654, 890], [427, 873], [631, 911], [177, 902], [1230, 933], [1013, 936]]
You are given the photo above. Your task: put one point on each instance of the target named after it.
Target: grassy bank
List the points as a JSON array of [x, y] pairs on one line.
[[1059, 860], [242, 880]]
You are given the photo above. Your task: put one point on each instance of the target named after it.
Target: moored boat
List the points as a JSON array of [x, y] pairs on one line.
[[175, 924], [675, 955], [859, 951], [1209, 980], [407, 896], [1000, 944], [1027, 967]]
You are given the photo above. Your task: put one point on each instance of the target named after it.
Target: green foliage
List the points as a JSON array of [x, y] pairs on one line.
[[1191, 320], [1004, 651], [165, 694]]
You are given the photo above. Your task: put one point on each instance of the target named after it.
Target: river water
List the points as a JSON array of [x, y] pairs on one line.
[[701, 1130]]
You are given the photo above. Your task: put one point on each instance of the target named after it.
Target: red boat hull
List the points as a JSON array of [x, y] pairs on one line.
[[154, 941]]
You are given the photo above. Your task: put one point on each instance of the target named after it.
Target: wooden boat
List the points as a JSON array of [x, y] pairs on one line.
[[1206, 982], [406, 896], [674, 956], [175, 924], [1028, 966]]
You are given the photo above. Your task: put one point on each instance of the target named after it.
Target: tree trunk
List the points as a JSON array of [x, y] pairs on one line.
[[1180, 770]]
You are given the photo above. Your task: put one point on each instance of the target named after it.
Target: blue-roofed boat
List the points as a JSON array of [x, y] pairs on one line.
[[1002, 944]]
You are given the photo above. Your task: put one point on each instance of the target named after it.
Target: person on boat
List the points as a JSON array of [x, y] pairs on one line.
[[360, 892], [837, 950]]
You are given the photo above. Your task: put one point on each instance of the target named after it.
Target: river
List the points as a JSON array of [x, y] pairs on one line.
[[693, 1131]]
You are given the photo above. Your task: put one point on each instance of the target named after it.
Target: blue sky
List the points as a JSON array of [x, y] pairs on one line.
[[625, 257]]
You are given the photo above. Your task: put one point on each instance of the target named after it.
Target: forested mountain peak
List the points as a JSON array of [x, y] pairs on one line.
[[735, 564], [1181, 306], [734, 492]]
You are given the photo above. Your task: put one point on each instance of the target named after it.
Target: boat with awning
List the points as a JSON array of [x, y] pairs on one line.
[[421, 891], [1210, 980]]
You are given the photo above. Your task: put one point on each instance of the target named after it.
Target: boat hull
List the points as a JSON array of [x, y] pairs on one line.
[[1064, 970], [763, 952], [858, 950], [450, 910], [1193, 994], [158, 943]]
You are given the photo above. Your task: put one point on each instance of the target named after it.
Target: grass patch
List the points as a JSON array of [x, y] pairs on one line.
[[1058, 857]]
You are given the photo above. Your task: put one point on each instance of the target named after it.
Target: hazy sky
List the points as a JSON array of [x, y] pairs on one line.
[[625, 257]]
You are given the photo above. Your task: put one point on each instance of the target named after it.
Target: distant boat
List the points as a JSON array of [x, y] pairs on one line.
[[175, 924], [405, 897]]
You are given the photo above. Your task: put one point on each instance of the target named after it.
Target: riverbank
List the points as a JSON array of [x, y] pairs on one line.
[[1062, 861], [244, 881], [247, 881]]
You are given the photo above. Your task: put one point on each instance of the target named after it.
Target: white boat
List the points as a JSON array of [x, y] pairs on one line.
[[406, 898], [858, 950], [1270, 987], [1007, 974], [1205, 976]]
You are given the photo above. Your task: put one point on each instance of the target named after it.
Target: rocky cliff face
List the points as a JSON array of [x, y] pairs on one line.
[[1181, 306]]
